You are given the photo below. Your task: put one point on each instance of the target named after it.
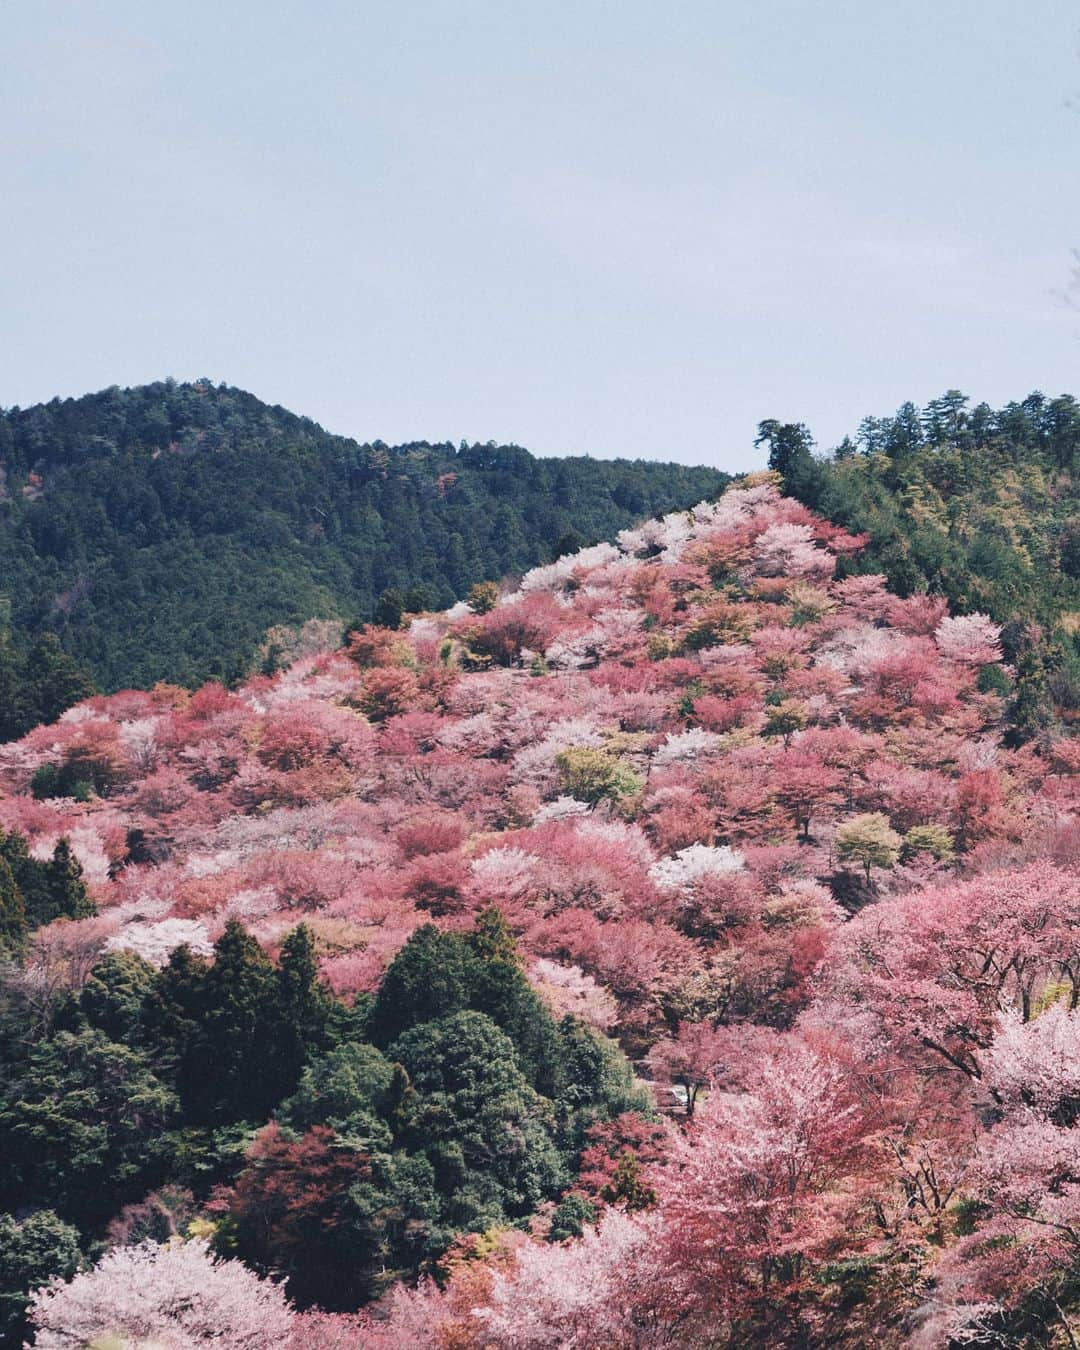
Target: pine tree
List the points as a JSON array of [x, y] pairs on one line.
[[68, 895], [302, 1008], [228, 1072], [13, 926]]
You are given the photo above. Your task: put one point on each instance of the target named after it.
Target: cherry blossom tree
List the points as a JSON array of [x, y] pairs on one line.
[[174, 1296]]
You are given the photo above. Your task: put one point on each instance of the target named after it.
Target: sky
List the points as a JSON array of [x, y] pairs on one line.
[[614, 228]]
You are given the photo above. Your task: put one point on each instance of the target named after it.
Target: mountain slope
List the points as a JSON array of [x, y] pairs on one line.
[[978, 505], [159, 531], [694, 789]]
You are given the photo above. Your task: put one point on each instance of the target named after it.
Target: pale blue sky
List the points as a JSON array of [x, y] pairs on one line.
[[614, 228]]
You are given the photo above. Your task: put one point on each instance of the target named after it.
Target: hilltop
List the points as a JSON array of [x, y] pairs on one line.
[[159, 531]]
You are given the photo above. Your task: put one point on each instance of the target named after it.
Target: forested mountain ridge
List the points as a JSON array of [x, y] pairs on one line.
[[160, 531]]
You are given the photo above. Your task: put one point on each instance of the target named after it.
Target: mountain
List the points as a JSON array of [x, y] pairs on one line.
[[380, 934], [159, 531]]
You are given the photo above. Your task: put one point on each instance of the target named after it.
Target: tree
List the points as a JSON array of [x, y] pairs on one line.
[[171, 1296], [353, 1091], [13, 925], [82, 1119], [764, 1186], [302, 1008], [790, 445], [235, 1034], [429, 978], [785, 718], [595, 775], [933, 839], [870, 840], [113, 997], [51, 682], [389, 609], [33, 1251], [488, 1135], [688, 1062], [288, 1213], [607, 1288], [67, 891], [804, 785], [628, 1189], [483, 597]]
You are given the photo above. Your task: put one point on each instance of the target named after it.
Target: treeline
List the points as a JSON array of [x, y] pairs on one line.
[[449, 1102], [975, 504], [159, 531]]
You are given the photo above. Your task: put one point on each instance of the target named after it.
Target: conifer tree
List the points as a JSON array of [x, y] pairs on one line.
[[67, 891], [12, 912]]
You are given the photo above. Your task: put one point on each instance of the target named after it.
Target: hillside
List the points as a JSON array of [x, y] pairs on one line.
[[160, 531], [695, 802], [976, 504]]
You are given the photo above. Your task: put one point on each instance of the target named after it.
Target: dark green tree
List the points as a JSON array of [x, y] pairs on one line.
[[302, 1008], [790, 445], [227, 1071], [68, 896], [389, 609], [32, 1251], [487, 1134], [429, 978], [51, 682], [82, 1119], [114, 995], [13, 926]]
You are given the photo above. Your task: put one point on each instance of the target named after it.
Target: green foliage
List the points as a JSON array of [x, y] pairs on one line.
[[174, 524], [256, 1025], [933, 839], [438, 974], [354, 1090], [67, 892], [870, 840], [993, 680], [483, 597], [487, 1134], [112, 999], [977, 505], [49, 890], [628, 1188], [790, 445], [82, 1118], [591, 775], [13, 925], [784, 718], [429, 978], [36, 684], [32, 1251], [570, 1216], [468, 1112]]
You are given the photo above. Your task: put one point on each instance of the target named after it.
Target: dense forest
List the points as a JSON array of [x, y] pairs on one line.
[[680, 949], [159, 531]]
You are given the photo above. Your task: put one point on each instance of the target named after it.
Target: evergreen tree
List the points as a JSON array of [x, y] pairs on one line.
[[228, 1068], [429, 978], [302, 1008], [13, 926], [68, 896], [32, 1251], [790, 445]]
